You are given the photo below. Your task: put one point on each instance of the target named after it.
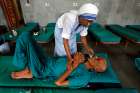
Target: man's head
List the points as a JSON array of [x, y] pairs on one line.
[[97, 63], [87, 14]]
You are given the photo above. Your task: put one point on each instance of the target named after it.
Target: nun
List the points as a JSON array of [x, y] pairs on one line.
[[72, 23]]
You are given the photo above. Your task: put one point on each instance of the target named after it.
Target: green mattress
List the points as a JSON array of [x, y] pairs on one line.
[[53, 90], [14, 90], [6, 67], [10, 37], [46, 33], [135, 27], [109, 76], [137, 63], [51, 25], [50, 90], [125, 32], [103, 35], [125, 90], [44, 36]]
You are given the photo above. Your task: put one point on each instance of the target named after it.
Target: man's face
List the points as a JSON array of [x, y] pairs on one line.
[[85, 22], [98, 64], [91, 62]]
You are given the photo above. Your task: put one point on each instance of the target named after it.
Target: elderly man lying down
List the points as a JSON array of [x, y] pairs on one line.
[[34, 63]]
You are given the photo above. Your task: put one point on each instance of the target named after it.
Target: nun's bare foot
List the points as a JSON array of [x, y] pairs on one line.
[[18, 75]]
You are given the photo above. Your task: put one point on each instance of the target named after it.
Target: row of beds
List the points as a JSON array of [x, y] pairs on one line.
[[106, 82]]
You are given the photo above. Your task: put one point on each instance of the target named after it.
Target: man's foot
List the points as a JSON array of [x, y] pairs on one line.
[[18, 75], [21, 73]]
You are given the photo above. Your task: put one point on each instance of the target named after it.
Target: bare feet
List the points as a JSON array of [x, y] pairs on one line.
[[22, 74]]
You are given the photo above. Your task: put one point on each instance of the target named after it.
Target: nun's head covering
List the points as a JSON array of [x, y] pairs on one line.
[[88, 11]]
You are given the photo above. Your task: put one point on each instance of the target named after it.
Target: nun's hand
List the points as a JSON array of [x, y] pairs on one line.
[[90, 51]]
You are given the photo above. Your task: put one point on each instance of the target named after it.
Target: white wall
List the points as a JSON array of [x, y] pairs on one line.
[[111, 11], [2, 18]]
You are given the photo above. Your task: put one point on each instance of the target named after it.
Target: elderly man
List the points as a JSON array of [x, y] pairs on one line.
[[34, 63]]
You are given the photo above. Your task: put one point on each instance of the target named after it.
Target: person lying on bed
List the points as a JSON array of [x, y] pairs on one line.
[[34, 63]]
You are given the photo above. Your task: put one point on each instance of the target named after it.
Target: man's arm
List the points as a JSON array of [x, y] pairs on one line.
[[78, 57], [62, 80]]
